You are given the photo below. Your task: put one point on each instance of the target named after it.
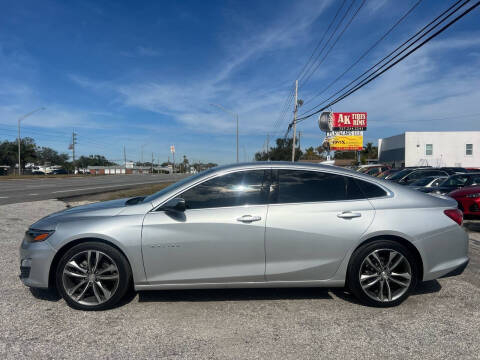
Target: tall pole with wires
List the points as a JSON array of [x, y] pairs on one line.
[[19, 139], [295, 120], [74, 142]]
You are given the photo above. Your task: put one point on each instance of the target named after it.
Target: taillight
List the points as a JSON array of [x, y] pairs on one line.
[[454, 214]]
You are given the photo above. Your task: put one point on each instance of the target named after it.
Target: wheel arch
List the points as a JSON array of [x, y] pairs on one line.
[[409, 245], [69, 245]]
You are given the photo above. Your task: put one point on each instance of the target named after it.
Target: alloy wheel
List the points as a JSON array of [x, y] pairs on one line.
[[90, 277], [385, 275]]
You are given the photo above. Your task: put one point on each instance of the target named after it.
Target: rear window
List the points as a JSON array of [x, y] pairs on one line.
[[370, 190], [299, 186]]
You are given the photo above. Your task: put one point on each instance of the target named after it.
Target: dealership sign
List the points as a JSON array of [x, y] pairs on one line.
[[346, 142], [349, 121]]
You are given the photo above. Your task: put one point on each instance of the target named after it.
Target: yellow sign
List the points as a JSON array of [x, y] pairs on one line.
[[346, 142]]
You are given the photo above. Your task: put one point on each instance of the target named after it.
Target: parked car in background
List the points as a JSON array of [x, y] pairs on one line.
[[454, 170], [375, 170], [473, 169], [455, 182], [59, 172], [468, 199], [408, 176], [388, 173], [427, 182], [38, 172]]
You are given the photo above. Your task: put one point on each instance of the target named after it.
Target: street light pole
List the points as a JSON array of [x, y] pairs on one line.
[[235, 116], [18, 140]]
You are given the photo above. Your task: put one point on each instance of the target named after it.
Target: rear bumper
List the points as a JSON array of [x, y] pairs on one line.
[[458, 271], [444, 253]]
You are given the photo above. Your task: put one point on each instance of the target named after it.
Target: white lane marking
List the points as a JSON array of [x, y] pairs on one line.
[[32, 194], [108, 186], [3, 197]]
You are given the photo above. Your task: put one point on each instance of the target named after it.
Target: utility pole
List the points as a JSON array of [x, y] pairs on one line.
[[74, 142], [19, 139], [268, 145], [299, 136], [124, 157], [295, 121], [237, 135], [152, 162], [235, 116]]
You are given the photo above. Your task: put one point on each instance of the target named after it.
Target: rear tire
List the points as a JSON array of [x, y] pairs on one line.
[[382, 273], [93, 276]]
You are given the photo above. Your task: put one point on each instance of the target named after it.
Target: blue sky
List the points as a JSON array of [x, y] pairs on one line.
[[145, 73]]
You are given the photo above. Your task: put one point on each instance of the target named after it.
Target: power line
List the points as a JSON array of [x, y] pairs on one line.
[[321, 40], [394, 51], [337, 39], [403, 17], [373, 77]]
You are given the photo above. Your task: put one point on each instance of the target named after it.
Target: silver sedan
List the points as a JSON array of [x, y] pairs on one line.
[[250, 225]]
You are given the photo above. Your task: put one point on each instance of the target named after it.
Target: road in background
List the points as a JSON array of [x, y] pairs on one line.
[[23, 190]]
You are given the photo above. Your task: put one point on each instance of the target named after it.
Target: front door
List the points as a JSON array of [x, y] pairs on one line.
[[219, 238]]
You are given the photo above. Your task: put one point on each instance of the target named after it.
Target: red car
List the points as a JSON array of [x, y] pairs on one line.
[[468, 199]]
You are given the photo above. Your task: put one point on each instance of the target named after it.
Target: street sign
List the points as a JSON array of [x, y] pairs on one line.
[[172, 149], [349, 121], [346, 142]]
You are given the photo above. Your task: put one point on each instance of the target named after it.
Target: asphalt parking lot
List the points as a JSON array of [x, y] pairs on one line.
[[441, 320]]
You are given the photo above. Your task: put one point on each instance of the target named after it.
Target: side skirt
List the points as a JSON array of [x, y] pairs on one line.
[[236, 285]]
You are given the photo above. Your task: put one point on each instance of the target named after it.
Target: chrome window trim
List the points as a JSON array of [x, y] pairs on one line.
[[213, 176], [389, 193]]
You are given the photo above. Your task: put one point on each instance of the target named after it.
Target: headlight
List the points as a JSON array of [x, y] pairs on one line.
[[34, 235], [473, 195]]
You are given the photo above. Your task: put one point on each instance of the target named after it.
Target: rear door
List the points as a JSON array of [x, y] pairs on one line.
[[314, 218]]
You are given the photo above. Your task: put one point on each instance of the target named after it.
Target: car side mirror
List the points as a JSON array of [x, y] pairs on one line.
[[176, 205]]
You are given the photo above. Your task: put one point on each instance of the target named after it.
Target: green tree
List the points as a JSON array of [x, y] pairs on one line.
[[313, 154], [281, 152], [9, 152], [46, 155]]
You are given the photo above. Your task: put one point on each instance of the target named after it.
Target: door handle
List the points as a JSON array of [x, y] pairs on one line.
[[348, 215], [249, 218]]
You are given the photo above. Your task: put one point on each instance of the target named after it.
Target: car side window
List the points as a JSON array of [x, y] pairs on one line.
[[298, 186], [370, 190], [235, 189], [476, 180]]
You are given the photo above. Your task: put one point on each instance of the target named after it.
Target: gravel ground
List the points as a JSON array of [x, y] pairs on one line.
[[440, 321]]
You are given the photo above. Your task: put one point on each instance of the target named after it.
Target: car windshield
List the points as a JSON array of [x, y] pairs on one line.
[[401, 174], [456, 180], [176, 185], [423, 181]]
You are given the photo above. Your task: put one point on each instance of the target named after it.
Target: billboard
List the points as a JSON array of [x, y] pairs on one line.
[[349, 121], [346, 142]]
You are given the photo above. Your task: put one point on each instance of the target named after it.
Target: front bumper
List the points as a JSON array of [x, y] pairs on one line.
[[469, 206], [35, 261]]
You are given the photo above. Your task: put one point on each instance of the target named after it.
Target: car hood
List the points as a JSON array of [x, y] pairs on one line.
[[106, 208], [465, 191]]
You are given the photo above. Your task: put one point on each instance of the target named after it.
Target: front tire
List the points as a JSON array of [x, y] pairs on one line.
[[93, 276], [382, 273]]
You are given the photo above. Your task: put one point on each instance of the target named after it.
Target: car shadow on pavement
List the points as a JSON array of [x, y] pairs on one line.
[[234, 294], [45, 294], [426, 287], [472, 225]]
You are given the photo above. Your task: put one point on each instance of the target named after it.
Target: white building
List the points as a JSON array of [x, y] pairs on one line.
[[436, 148]]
